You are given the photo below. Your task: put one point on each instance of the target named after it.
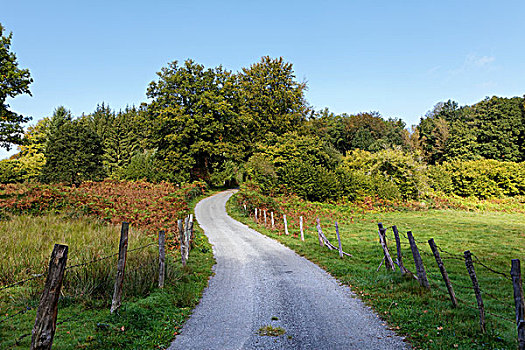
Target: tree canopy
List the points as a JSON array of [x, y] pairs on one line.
[[13, 81]]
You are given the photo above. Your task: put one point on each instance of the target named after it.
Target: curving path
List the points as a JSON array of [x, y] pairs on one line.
[[260, 282]]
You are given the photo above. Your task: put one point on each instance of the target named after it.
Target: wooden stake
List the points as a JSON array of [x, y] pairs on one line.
[[47, 312], [264, 213], [319, 233], [444, 273], [339, 240], [285, 225], [389, 263], [402, 267], [420, 268], [475, 285], [162, 258], [182, 241], [273, 222], [301, 228], [255, 214], [121, 266], [519, 301]]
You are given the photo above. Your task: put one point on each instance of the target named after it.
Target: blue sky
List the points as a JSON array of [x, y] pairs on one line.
[[396, 57]]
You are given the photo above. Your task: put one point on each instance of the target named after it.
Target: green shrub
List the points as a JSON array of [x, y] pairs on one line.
[[483, 178], [312, 182]]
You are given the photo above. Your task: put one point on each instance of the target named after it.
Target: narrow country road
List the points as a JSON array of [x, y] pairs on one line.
[[259, 282]]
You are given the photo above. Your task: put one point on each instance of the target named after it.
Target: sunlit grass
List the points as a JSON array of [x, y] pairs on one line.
[[426, 318]]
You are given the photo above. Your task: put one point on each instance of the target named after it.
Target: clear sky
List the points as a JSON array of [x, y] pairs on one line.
[[396, 57]]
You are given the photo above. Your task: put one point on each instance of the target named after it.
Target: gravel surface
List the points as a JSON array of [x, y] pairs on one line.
[[259, 282]]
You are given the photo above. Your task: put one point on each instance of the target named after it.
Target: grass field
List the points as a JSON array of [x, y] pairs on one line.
[[424, 317], [149, 317]]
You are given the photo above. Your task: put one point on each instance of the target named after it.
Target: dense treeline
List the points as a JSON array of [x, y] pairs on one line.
[[226, 127]]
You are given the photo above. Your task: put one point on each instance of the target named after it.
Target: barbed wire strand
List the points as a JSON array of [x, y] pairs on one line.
[[22, 281], [21, 312]]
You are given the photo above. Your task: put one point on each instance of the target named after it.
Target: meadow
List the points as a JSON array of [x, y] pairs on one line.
[[425, 318], [44, 215]]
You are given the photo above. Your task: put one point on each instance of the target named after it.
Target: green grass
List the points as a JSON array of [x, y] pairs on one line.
[[425, 318], [149, 317]]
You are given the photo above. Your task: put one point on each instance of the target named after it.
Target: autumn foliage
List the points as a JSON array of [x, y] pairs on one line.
[[151, 207]]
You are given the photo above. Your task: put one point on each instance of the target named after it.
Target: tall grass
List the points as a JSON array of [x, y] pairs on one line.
[[27, 242]]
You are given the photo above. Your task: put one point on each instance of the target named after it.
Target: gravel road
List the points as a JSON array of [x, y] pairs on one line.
[[259, 282]]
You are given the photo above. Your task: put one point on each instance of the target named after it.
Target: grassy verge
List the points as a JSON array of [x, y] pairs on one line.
[[425, 318], [149, 317]]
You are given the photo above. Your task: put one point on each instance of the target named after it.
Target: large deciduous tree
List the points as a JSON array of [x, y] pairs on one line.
[[13, 81]]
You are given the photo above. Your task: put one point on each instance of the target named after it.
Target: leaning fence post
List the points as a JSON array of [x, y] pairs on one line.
[[121, 266], [182, 241], [519, 301], [162, 258], [285, 225], [46, 315], [444, 273], [273, 222], [420, 268], [301, 227], [319, 233], [475, 285], [398, 248], [389, 263], [339, 240]]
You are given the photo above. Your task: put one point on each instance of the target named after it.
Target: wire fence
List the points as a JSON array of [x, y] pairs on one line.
[[495, 300], [28, 308]]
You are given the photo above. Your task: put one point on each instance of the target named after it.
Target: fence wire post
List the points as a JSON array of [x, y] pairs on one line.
[[443, 271], [264, 214], [46, 315], [162, 258], [519, 301], [398, 249], [475, 285], [339, 240], [301, 227], [182, 241], [319, 233], [273, 221], [389, 263], [121, 266], [420, 268], [285, 225]]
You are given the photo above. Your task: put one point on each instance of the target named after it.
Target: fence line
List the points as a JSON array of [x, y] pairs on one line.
[[475, 289], [49, 319]]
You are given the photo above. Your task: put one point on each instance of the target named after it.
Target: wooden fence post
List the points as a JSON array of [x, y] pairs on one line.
[[182, 241], [444, 273], [389, 263], [187, 232], [420, 268], [339, 240], [475, 285], [519, 301], [285, 225], [264, 213], [319, 233], [398, 248], [255, 214], [301, 228], [273, 222], [162, 258], [46, 314], [244, 205], [121, 266]]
